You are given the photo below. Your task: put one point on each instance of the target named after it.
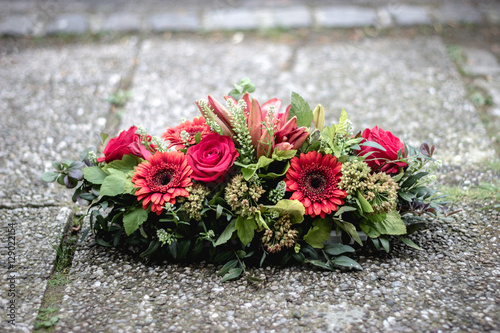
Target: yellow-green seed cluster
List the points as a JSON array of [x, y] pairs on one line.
[[281, 235], [243, 196], [193, 204], [382, 192], [354, 176]]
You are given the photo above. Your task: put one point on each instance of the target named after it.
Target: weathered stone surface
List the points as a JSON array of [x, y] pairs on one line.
[[122, 22], [451, 12], [345, 16], [28, 238], [410, 15], [175, 21], [480, 62], [292, 17], [53, 106], [18, 25], [230, 19], [69, 24]]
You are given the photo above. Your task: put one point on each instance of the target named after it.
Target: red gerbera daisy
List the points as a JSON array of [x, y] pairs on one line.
[[161, 179], [198, 125], [313, 178]]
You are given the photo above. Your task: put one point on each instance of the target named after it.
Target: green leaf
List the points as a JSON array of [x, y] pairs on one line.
[[385, 244], [94, 174], [250, 169], [372, 144], [413, 179], [351, 230], [128, 187], [318, 233], [343, 125], [232, 274], [126, 164], [410, 243], [392, 225], [344, 209], [230, 264], [300, 109], [280, 155], [197, 137], [133, 219], [369, 228], [226, 234], [347, 262], [365, 205], [153, 246], [102, 242], [218, 212], [49, 176], [319, 263], [114, 183], [245, 227], [337, 249], [294, 208], [406, 196]]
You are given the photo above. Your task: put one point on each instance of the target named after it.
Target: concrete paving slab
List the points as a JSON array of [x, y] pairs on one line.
[[480, 62], [53, 106], [407, 86], [28, 237]]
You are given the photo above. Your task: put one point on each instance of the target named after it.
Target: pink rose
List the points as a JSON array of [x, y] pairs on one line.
[[211, 158], [127, 143], [379, 160]]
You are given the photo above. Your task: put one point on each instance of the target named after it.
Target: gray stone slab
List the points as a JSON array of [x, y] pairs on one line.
[[69, 24], [409, 87], [345, 16], [480, 62], [172, 67], [27, 238], [452, 12], [292, 17], [406, 86], [175, 21], [52, 106], [410, 15], [18, 25], [231, 19], [122, 22]]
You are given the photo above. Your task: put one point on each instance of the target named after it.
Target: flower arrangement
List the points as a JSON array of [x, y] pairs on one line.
[[247, 183]]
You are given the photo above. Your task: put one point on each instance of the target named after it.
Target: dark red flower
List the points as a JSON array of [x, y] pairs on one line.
[[173, 134], [127, 143], [313, 178], [212, 157], [379, 160], [161, 179]]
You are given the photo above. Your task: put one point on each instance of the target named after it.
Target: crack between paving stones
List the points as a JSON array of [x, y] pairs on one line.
[[11, 206], [114, 117], [59, 277]]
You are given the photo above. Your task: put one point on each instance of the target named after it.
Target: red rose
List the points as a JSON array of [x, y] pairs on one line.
[[380, 160], [211, 158], [127, 143]]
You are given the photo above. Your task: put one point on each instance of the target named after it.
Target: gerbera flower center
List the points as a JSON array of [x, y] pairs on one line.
[[317, 182], [161, 179]]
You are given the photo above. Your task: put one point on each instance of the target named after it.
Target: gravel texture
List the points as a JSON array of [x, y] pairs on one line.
[[451, 285], [30, 234], [53, 106]]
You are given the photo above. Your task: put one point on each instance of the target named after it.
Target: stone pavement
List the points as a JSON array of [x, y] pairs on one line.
[[53, 104], [48, 17]]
